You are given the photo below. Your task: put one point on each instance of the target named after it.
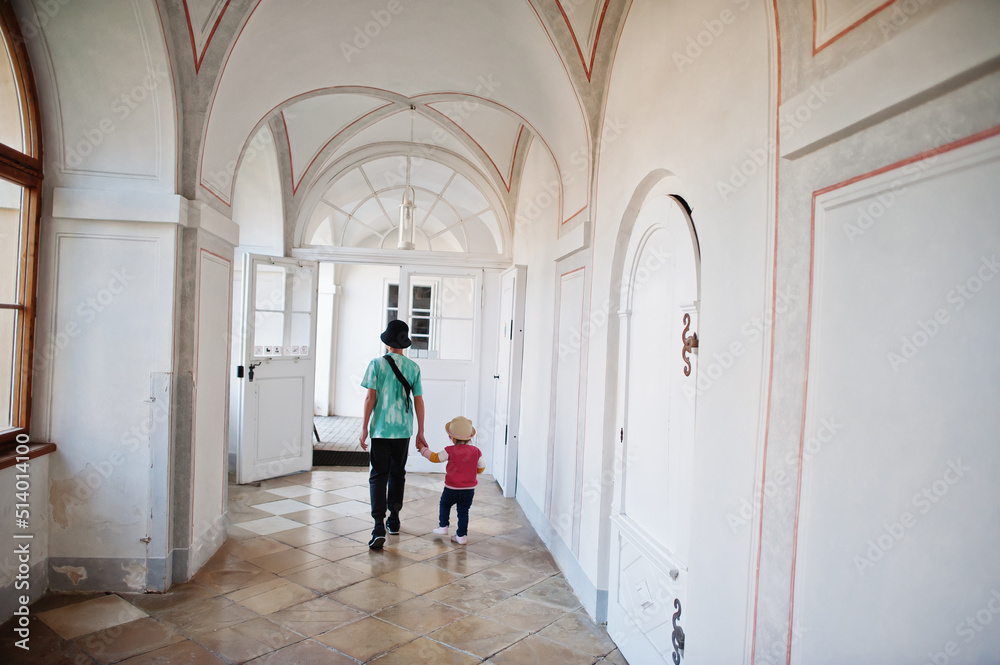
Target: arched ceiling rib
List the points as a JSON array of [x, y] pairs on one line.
[[497, 51]]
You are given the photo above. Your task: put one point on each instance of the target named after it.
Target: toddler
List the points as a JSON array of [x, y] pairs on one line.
[[465, 462]]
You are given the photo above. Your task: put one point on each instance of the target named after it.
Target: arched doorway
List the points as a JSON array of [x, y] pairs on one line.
[[651, 504]]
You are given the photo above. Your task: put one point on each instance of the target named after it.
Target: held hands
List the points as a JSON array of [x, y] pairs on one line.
[[421, 441]]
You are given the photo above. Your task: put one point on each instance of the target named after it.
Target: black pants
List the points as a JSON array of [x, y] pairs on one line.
[[387, 479]]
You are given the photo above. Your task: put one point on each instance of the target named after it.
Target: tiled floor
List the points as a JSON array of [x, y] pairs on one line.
[[337, 433], [296, 584]]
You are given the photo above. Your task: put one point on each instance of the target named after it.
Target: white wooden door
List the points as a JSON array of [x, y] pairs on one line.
[[507, 377], [443, 308], [279, 367], [651, 511]]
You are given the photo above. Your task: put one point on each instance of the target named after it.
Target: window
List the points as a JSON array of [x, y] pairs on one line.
[[20, 185], [442, 316]]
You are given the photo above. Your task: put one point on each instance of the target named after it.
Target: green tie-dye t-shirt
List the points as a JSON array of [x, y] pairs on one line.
[[390, 419]]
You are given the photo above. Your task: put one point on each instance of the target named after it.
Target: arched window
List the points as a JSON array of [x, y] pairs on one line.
[[20, 187]]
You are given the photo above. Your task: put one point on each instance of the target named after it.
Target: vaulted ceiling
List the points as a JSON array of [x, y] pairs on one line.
[[481, 82]]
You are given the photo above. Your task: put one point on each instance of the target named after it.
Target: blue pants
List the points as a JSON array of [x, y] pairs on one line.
[[463, 500]]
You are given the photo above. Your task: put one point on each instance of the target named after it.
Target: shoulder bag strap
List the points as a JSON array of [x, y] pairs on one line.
[[402, 379]]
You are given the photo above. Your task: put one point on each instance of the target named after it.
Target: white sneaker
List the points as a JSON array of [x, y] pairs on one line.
[[459, 539], [441, 531]]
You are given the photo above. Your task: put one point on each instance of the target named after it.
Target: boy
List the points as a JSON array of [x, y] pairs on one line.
[[465, 462], [390, 380]]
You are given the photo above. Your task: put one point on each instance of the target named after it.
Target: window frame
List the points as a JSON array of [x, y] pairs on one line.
[[24, 169]]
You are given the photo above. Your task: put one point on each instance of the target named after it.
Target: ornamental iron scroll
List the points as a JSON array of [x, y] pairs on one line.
[[690, 343], [677, 637]]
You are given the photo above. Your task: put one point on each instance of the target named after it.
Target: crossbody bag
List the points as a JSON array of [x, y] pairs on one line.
[[402, 379]]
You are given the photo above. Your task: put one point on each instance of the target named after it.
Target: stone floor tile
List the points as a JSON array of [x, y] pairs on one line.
[[327, 577], [316, 616], [468, 595], [372, 595], [303, 535], [535, 649], [127, 640], [249, 640], [423, 650], [335, 549], [421, 615], [578, 632], [90, 616], [366, 638], [461, 562], [554, 591], [277, 597], [420, 578], [305, 652], [523, 614], [478, 636], [182, 653]]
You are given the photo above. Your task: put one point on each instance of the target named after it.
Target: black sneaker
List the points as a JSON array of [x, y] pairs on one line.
[[376, 542], [392, 525]]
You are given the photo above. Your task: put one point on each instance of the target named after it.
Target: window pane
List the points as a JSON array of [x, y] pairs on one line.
[[270, 288], [456, 297], [455, 339], [421, 326], [11, 197], [420, 344], [392, 298], [8, 319], [302, 289], [299, 342], [422, 297], [11, 125], [268, 333]]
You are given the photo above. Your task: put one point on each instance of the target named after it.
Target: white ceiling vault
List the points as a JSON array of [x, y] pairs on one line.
[[487, 79]]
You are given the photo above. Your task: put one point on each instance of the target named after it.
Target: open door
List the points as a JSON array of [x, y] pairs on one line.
[[443, 308], [278, 370], [507, 377]]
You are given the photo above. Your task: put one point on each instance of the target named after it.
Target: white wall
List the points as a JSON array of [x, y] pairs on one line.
[[361, 317], [104, 327], [326, 319], [535, 232], [257, 203]]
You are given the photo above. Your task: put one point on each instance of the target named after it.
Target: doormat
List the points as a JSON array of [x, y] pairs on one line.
[[339, 458]]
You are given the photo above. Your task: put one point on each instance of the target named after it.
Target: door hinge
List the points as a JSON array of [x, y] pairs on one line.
[[621, 435]]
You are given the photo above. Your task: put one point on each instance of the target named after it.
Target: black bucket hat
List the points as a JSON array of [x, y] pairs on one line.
[[396, 335]]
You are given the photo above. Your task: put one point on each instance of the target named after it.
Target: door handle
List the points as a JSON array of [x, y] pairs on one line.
[[250, 370]]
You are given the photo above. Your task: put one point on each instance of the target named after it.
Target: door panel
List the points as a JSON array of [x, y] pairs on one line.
[[651, 511], [443, 309], [278, 352]]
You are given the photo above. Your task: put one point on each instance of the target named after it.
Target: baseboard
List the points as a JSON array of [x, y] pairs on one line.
[[594, 600]]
